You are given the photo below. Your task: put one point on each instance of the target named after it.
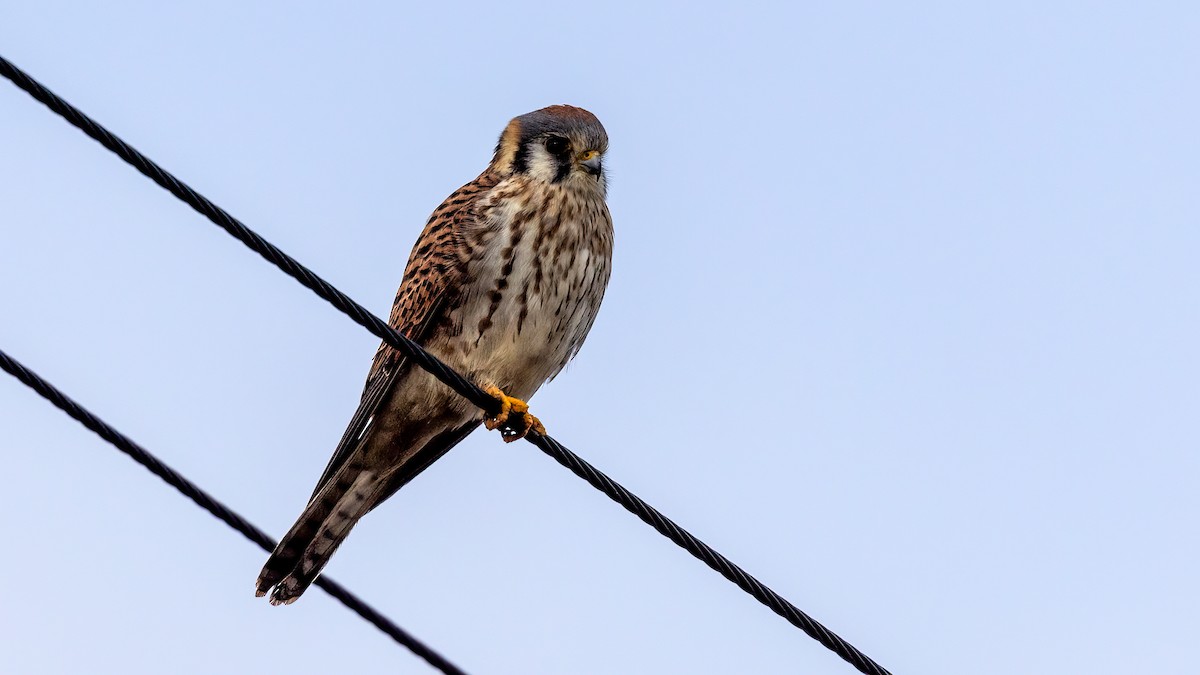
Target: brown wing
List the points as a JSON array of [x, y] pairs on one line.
[[431, 279]]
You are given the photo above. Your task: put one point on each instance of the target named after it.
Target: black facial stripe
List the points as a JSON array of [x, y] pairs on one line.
[[564, 168], [521, 161]]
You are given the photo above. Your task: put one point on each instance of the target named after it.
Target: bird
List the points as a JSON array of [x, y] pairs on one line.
[[503, 285]]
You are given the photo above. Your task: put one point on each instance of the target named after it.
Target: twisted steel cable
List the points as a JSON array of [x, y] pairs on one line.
[[440, 370], [209, 503]]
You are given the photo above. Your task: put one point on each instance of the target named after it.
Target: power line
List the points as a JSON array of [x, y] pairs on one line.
[[209, 503], [432, 364]]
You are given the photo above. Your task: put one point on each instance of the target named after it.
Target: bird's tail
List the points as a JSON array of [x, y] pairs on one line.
[[306, 548]]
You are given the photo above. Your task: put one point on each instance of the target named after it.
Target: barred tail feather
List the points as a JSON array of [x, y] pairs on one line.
[[308, 546]]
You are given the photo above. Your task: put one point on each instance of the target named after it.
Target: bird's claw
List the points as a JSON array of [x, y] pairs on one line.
[[513, 420]]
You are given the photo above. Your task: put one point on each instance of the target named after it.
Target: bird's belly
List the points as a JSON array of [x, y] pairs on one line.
[[524, 336], [520, 351]]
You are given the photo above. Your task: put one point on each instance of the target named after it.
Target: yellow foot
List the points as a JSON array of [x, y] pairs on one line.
[[513, 420]]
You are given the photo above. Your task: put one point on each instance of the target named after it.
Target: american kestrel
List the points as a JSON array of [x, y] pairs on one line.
[[503, 285]]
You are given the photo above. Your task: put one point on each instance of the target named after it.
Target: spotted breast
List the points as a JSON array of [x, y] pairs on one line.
[[539, 259]]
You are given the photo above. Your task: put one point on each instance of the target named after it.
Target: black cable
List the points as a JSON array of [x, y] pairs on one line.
[[216, 508], [427, 361]]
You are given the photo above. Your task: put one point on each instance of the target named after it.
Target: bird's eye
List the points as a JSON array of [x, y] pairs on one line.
[[556, 145]]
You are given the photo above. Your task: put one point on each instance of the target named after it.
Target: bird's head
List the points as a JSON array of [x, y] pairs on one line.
[[559, 144]]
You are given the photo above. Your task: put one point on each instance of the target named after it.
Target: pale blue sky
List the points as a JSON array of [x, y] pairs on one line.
[[903, 320]]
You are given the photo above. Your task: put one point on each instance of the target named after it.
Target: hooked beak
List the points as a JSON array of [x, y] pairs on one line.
[[590, 161]]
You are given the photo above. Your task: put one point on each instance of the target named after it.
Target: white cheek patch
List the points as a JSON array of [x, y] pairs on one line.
[[542, 166]]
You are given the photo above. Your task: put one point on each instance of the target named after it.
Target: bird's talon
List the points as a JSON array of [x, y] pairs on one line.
[[537, 427], [501, 417], [512, 410]]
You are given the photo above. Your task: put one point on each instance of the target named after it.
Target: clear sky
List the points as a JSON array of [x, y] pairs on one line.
[[904, 320]]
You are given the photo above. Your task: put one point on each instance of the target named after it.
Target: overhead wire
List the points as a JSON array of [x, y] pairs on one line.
[[214, 506]]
